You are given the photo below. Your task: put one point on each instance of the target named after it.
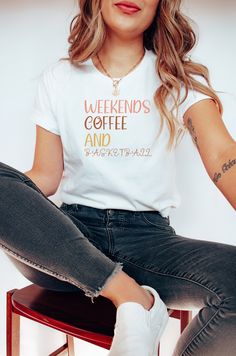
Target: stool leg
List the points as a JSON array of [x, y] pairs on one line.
[[185, 318], [12, 328], [70, 343]]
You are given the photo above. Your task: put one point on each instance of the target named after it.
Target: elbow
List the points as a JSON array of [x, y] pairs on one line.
[[46, 183]]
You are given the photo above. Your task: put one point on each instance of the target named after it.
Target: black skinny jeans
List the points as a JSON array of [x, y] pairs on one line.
[[76, 246]]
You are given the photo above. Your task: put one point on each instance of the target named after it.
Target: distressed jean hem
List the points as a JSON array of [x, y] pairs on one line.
[[93, 294]]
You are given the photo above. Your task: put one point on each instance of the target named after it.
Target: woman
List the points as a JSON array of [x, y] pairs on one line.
[[108, 120]]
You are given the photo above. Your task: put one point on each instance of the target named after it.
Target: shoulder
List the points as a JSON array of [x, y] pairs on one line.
[[198, 78], [55, 73], [191, 97], [59, 73]]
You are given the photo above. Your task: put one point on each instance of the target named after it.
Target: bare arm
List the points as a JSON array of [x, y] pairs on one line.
[[47, 168], [216, 146]]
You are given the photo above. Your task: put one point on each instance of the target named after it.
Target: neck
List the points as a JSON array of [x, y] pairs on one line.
[[118, 55]]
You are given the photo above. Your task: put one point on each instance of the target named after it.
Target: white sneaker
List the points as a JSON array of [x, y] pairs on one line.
[[138, 330]]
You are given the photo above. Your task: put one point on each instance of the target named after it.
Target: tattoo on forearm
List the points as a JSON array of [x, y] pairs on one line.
[[224, 169], [192, 131]]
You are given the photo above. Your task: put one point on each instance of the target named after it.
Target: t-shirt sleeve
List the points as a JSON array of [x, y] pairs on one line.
[[44, 107], [193, 97]]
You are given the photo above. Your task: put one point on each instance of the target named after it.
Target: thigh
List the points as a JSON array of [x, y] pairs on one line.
[[186, 272]]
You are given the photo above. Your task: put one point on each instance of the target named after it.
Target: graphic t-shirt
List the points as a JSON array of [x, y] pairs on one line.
[[112, 158]]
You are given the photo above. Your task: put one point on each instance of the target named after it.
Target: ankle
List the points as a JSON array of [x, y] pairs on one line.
[[151, 299], [140, 295], [132, 292]]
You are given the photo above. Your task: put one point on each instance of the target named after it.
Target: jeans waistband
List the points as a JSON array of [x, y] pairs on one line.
[[78, 207], [101, 213]]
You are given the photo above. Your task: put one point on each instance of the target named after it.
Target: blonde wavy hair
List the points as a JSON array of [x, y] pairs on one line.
[[170, 35]]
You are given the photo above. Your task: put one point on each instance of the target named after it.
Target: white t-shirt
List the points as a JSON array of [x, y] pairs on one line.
[[112, 159]]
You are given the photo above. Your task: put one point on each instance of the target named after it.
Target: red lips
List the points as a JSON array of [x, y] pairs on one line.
[[128, 4]]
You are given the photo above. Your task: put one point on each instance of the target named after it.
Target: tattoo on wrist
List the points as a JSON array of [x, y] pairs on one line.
[[224, 169], [192, 131]]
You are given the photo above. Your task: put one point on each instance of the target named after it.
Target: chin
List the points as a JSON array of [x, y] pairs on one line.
[[125, 32], [122, 24]]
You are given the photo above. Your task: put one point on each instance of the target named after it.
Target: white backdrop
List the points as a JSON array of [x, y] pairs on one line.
[[34, 34]]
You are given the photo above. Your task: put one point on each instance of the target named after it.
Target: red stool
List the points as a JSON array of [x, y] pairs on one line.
[[72, 313]]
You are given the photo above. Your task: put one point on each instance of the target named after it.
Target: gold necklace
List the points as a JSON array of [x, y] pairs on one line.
[[115, 82]]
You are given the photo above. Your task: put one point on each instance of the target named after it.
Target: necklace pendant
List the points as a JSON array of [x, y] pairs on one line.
[[116, 90]]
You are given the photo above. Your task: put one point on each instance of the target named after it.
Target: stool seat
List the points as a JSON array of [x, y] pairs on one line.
[[69, 312], [72, 313]]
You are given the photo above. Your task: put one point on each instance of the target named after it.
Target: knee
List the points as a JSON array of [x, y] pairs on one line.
[[228, 306], [4, 167], [7, 171]]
